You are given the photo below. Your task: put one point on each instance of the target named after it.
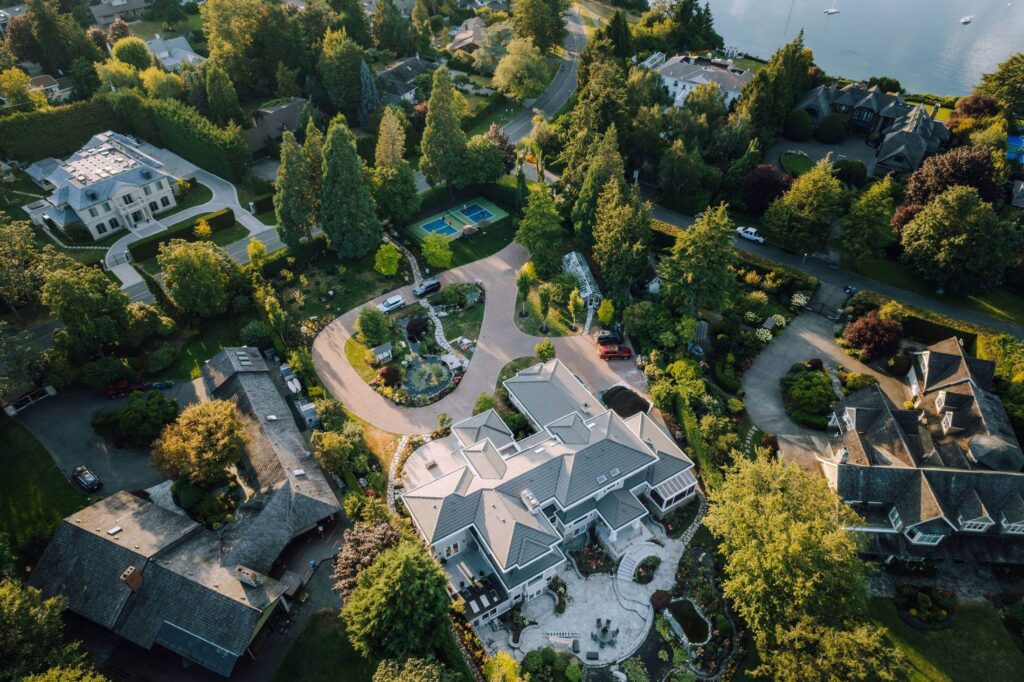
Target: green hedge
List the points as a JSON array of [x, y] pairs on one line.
[[726, 377], [929, 332], [57, 132], [263, 203], [814, 421], [147, 248], [804, 281]]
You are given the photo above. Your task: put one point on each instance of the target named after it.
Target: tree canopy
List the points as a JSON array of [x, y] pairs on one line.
[[540, 231], [200, 276], [523, 72], [201, 443], [802, 217], [444, 144], [347, 209], [696, 272]]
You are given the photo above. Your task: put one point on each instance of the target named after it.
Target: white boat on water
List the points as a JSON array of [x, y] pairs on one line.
[[831, 11], [966, 20]]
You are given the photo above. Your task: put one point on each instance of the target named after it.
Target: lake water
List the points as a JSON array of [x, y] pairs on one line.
[[919, 42]]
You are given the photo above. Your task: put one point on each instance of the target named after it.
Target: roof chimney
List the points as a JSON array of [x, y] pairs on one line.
[[132, 578], [247, 576]]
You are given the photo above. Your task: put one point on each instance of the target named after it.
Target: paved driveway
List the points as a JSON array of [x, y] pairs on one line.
[[61, 424], [500, 341], [853, 148], [808, 336]]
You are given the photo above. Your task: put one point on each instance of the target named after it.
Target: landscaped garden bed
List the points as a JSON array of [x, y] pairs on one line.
[[697, 582], [644, 571], [925, 608], [807, 394], [592, 558]]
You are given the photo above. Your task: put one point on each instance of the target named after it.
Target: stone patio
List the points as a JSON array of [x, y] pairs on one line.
[[600, 597]]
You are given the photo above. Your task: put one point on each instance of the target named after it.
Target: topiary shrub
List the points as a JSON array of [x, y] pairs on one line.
[[256, 333], [161, 358], [799, 126], [189, 496], [832, 129], [390, 375]]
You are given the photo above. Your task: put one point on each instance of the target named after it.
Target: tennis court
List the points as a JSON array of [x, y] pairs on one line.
[[458, 220]]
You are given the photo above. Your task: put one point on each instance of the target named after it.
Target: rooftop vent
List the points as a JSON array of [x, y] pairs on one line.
[[299, 472], [114, 531], [530, 500], [271, 417]]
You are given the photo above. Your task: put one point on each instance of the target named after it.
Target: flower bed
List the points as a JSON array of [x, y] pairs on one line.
[[696, 581], [644, 571], [592, 558], [925, 608], [561, 592]]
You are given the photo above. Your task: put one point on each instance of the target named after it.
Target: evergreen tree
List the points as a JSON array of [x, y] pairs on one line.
[[867, 228], [622, 236], [444, 143], [354, 20], [286, 81], [313, 150], [683, 173], [391, 31], [340, 66], [369, 98], [399, 607], [605, 165], [346, 207], [617, 31], [221, 96], [769, 97], [696, 272], [1006, 85], [540, 231], [294, 214], [522, 190], [390, 138], [394, 191]]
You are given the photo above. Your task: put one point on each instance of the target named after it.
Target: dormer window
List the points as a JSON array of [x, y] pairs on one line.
[[947, 422], [848, 421], [940, 402], [975, 526], [894, 518]]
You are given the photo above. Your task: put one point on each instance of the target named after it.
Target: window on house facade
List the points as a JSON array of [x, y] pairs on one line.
[[976, 525], [919, 538], [165, 201], [100, 228], [451, 549], [147, 191], [92, 213], [127, 198], [114, 223], [153, 206], [159, 184], [106, 206]]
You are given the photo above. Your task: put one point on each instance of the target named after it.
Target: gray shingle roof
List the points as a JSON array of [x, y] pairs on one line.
[[549, 391], [619, 508], [484, 425]]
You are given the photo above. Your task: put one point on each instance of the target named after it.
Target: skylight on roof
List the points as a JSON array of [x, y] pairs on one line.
[[602, 478], [613, 472]]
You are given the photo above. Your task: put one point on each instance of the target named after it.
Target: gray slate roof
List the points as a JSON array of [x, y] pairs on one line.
[[549, 391], [619, 508], [487, 425]]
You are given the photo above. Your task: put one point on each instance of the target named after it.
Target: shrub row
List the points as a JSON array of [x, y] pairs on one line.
[[59, 131], [804, 281], [150, 246], [263, 203]]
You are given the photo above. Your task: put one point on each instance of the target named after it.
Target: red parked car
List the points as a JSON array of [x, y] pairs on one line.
[[123, 387], [615, 353]]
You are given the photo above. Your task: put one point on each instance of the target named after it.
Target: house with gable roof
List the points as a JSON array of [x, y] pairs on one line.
[[157, 578], [942, 479], [499, 513]]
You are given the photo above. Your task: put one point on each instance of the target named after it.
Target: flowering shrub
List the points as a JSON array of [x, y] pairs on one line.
[[779, 320], [751, 317], [763, 335], [799, 299]]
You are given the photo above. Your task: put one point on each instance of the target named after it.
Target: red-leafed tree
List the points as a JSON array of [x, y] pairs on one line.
[[874, 336]]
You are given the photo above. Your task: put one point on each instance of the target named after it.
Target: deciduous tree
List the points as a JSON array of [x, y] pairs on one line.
[[341, 450], [801, 218], [1006, 85], [93, 309], [523, 72], [437, 251], [409, 670], [132, 51], [875, 336], [950, 242], [31, 631], [374, 326], [200, 276], [867, 228], [394, 191], [202, 442], [965, 166], [539, 20], [387, 259], [14, 84]]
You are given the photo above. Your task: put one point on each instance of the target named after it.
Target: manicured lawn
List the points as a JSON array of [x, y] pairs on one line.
[[197, 196], [12, 199], [1000, 303], [34, 495], [977, 647], [148, 29], [501, 116], [558, 320], [214, 335], [943, 115], [795, 164], [358, 284], [464, 322], [361, 359], [322, 653]]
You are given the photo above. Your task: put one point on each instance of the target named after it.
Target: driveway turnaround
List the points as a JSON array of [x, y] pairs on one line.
[[500, 342], [807, 336]]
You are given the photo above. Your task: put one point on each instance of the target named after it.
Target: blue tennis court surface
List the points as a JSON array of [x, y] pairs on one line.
[[439, 226], [476, 213]]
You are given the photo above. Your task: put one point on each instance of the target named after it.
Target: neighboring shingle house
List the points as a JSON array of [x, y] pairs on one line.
[[398, 79], [498, 513], [468, 36], [270, 122], [155, 577], [172, 53], [908, 132], [942, 480], [55, 90], [108, 185], [681, 74], [105, 11], [8, 13]]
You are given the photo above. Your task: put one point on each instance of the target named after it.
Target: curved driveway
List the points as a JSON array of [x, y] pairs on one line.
[[499, 342]]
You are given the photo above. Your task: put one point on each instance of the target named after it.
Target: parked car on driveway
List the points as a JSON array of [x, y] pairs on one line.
[[86, 479], [427, 287], [750, 234], [609, 337], [391, 303], [615, 353], [123, 387]]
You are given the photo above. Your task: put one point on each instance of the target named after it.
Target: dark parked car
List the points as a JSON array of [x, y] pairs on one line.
[[86, 479], [609, 337], [427, 287]]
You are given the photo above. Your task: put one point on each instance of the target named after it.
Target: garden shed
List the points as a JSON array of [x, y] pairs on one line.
[[383, 352]]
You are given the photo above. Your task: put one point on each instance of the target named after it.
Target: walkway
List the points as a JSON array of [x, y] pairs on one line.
[[500, 341]]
